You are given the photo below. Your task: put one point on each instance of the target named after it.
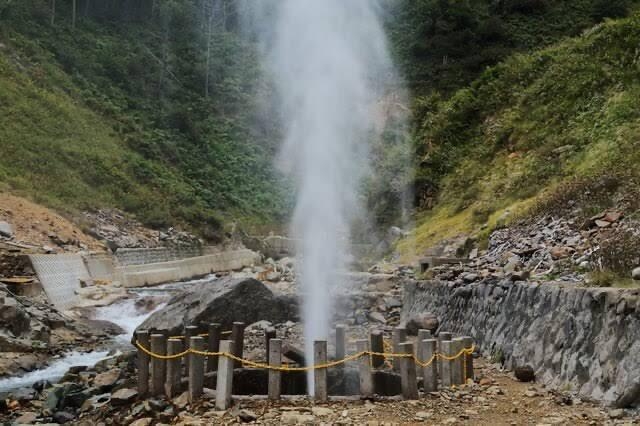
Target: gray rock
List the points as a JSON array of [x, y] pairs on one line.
[[377, 317], [425, 320], [247, 300], [635, 274], [62, 417], [5, 229], [26, 419], [525, 373], [123, 396]]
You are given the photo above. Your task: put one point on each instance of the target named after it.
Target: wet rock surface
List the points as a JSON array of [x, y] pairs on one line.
[[224, 302]]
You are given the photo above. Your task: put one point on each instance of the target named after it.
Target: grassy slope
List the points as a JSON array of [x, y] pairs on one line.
[[491, 147], [91, 118]]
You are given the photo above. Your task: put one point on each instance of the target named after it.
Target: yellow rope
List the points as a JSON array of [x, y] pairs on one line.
[[355, 356]]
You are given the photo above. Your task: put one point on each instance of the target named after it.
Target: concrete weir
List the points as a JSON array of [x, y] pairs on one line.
[[587, 339]]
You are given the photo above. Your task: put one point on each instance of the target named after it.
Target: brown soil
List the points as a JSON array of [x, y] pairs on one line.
[[36, 225], [499, 400]]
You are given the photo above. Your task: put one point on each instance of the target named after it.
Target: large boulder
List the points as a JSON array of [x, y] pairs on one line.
[[246, 299]]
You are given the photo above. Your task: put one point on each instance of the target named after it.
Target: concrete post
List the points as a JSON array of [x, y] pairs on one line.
[[142, 337], [269, 333], [364, 370], [189, 332], [213, 345], [423, 334], [340, 342], [443, 335], [457, 364], [237, 337], [196, 369], [320, 374], [224, 382], [468, 359], [158, 366], [398, 336], [377, 345], [447, 349], [408, 377], [174, 368], [430, 372], [275, 360]]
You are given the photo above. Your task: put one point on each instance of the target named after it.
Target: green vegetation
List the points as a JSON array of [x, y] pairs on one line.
[[149, 107], [529, 130]]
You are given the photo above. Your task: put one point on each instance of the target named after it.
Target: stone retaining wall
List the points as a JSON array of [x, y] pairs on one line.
[[142, 256], [587, 339]]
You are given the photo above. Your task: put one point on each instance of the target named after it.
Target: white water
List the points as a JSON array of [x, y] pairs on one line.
[[123, 314], [329, 61], [54, 371]]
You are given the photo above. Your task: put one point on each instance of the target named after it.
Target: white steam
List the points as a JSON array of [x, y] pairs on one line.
[[329, 62]]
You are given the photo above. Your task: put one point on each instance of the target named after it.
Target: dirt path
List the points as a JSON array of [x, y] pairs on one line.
[[498, 400]]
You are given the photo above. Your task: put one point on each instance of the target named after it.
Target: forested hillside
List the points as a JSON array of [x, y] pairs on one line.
[[554, 130], [149, 106], [160, 107]]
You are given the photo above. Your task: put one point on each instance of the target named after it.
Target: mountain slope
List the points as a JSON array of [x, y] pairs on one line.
[[557, 127], [115, 112]]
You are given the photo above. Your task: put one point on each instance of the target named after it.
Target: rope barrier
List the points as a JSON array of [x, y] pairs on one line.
[[199, 335], [463, 352]]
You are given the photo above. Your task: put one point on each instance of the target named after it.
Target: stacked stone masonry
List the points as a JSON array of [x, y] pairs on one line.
[[586, 339]]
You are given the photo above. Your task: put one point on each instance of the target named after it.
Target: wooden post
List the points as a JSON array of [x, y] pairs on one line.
[[364, 370], [189, 332], [340, 342], [468, 359], [447, 349], [237, 337], [423, 334], [320, 374], [224, 382], [142, 337], [275, 360], [458, 363], [269, 333], [377, 345], [158, 366], [174, 368], [196, 369], [430, 372], [443, 335], [398, 336], [408, 377], [213, 345]]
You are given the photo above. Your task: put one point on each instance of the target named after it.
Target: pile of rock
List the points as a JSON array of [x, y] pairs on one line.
[[548, 247], [121, 231]]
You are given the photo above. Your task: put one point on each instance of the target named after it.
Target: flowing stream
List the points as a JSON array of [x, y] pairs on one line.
[[123, 313]]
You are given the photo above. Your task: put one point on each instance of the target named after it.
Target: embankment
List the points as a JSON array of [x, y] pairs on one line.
[[584, 338]]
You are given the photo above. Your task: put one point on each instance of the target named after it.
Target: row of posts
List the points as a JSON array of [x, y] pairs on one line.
[[158, 376]]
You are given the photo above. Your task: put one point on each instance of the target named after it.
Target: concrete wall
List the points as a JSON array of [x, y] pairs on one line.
[[182, 269], [585, 338]]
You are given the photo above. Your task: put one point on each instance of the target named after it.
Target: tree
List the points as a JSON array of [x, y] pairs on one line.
[[53, 12], [73, 14]]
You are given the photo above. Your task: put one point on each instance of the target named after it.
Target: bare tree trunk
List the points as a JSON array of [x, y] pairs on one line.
[[53, 12], [73, 14], [209, 25], [86, 8]]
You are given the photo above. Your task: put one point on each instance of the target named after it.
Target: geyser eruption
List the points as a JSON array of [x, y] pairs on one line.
[[329, 62]]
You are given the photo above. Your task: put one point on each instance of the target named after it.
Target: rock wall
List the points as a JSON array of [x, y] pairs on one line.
[[143, 256], [587, 339]]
